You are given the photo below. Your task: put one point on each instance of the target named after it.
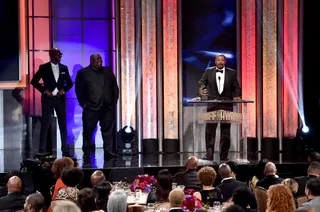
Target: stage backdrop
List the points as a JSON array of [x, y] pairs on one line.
[[209, 28]]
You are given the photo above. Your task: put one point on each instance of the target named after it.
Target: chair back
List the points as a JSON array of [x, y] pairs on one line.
[[261, 195]]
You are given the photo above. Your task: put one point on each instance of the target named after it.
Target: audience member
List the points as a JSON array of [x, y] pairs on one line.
[[176, 198], [15, 199], [97, 177], [313, 194], [34, 203], [314, 156], [243, 197], [163, 187], [117, 202], [280, 199], [4, 190], [293, 187], [270, 178], [207, 175], [234, 208], [66, 206], [259, 173], [102, 191], [233, 167], [228, 183], [188, 178], [313, 172], [86, 200]]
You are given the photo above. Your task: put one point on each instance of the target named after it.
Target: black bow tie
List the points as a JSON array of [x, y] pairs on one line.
[[220, 70]]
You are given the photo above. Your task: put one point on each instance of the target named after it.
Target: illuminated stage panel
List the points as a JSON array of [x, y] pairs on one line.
[[248, 61], [41, 7], [290, 67], [170, 68], [42, 33], [128, 79], [269, 68], [22, 49], [149, 69]]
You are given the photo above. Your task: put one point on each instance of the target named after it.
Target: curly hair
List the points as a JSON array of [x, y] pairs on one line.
[[207, 175], [280, 199], [59, 164], [291, 184]]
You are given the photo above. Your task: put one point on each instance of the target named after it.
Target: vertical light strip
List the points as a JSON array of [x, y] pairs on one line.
[[127, 39], [149, 69], [248, 61], [22, 49], [170, 69], [269, 68], [290, 67]]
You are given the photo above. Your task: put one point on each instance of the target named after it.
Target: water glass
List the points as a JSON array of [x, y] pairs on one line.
[[181, 187], [216, 206], [138, 194], [174, 185]]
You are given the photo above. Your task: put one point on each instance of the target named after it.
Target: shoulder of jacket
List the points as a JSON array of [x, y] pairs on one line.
[[230, 69]]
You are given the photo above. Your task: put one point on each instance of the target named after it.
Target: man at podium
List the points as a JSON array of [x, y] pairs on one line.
[[219, 83]]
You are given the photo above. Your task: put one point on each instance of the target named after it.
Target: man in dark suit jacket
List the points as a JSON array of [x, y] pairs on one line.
[[271, 177], [219, 83], [15, 199], [97, 92], [313, 172], [228, 183], [189, 178], [56, 82]]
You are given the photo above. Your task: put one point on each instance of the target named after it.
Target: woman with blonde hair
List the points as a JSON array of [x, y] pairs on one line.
[[280, 199], [293, 186]]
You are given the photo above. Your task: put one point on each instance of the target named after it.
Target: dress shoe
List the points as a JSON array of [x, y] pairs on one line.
[[66, 154], [108, 154]]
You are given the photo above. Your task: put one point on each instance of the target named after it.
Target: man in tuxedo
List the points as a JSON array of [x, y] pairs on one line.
[[56, 82], [220, 83], [313, 172], [97, 92]]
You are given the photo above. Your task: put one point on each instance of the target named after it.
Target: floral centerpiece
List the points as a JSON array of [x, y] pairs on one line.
[[191, 202], [143, 182]]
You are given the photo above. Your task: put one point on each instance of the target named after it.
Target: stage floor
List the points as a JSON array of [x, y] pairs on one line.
[[11, 159]]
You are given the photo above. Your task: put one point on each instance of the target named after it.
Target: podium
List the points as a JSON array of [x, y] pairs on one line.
[[223, 116]]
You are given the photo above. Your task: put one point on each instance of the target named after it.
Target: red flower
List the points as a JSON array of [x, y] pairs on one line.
[[142, 186]]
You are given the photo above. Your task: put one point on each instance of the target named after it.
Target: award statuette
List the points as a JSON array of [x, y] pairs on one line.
[[204, 94]]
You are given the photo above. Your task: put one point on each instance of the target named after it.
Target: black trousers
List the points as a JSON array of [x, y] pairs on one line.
[[90, 119], [210, 135], [49, 104]]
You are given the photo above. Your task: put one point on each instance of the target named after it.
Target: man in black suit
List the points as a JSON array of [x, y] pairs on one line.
[[56, 82], [220, 83], [189, 178], [176, 198], [313, 172], [15, 199], [97, 92], [271, 177]]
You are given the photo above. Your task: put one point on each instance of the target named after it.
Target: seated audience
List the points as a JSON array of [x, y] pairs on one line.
[[86, 200], [4, 189], [270, 178], [313, 194], [163, 187], [280, 199], [313, 172], [102, 191], [207, 175], [228, 183], [34, 203], [117, 202], [233, 167], [244, 197], [97, 177], [57, 167], [293, 186], [15, 199], [234, 208], [176, 198], [314, 156], [259, 173], [66, 206], [188, 178]]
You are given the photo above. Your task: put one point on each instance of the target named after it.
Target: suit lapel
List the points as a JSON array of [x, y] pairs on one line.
[[51, 71], [226, 78], [60, 71], [214, 78]]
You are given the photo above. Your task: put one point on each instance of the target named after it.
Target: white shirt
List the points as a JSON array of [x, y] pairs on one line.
[[220, 79], [56, 73]]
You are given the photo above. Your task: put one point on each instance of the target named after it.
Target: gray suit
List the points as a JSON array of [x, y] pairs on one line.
[[314, 203]]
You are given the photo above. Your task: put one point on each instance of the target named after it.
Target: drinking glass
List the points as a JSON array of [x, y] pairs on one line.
[[216, 205], [174, 185]]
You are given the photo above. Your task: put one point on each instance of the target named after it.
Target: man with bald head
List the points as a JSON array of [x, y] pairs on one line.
[[228, 183], [15, 199], [189, 178], [271, 177], [56, 82], [97, 92], [97, 177]]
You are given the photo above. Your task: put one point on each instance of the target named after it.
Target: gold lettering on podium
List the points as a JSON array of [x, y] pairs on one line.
[[221, 116]]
